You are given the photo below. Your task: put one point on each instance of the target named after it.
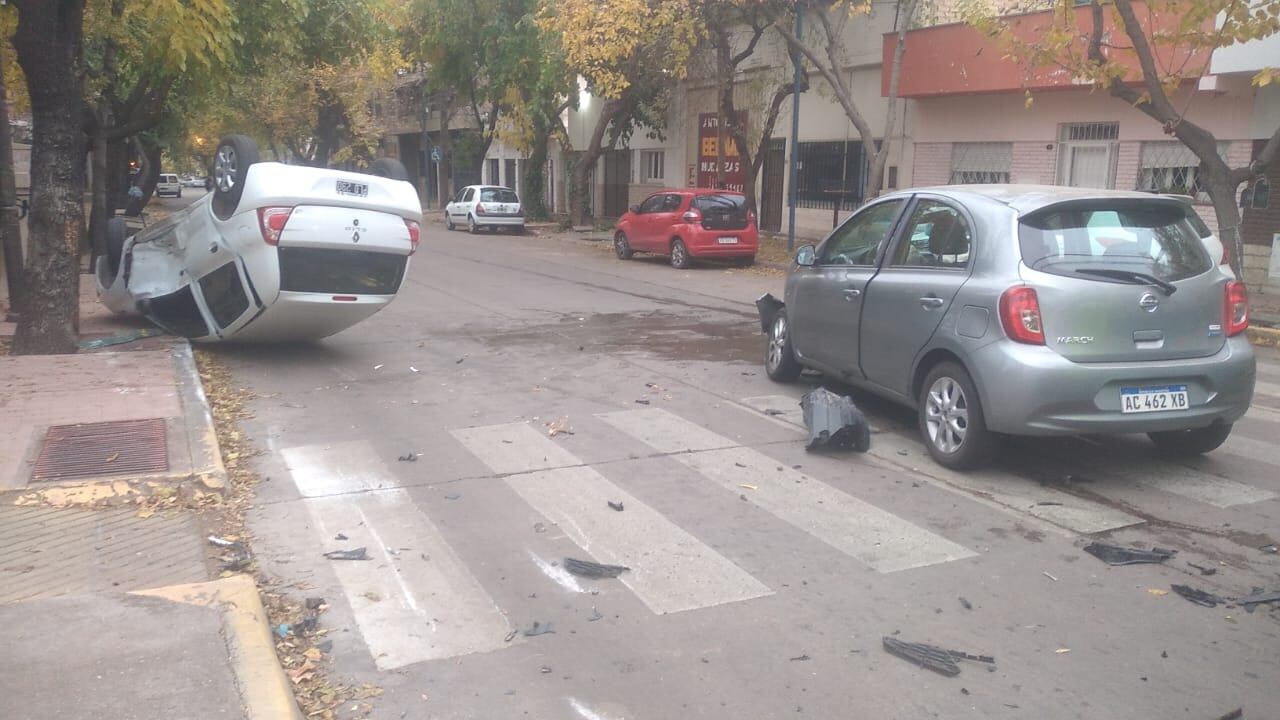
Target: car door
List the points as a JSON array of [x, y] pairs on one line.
[[451, 209], [825, 299], [641, 227], [905, 303], [662, 223]]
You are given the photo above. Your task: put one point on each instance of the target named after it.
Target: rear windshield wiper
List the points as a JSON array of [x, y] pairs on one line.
[[1136, 278]]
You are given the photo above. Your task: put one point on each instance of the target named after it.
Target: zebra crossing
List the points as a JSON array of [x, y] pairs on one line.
[[415, 612]]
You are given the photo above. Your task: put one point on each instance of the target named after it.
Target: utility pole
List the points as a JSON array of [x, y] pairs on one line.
[[795, 135]]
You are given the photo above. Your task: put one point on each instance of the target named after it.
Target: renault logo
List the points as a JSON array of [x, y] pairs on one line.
[[1149, 302]]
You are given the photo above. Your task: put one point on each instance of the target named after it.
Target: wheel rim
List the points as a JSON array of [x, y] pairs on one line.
[[471, 224], [620, 244], [777, 342], [946, 415], [677, 254], [224, 168]]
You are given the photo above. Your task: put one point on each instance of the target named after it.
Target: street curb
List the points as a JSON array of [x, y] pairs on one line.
[[263, 686], [202, 436], [1264, 337]]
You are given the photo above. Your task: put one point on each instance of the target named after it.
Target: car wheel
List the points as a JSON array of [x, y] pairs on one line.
[[1197, 441], [472, 227], [448, 222], [621, 247], [951, 420], [179, 194], [780, 362], [390, 168], [680, 255], [117, 233], [231, 163]]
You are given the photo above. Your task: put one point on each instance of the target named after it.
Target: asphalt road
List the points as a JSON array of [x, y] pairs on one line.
[[763, 578]]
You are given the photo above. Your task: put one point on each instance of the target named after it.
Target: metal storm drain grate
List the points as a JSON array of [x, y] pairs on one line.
[[106, 448]]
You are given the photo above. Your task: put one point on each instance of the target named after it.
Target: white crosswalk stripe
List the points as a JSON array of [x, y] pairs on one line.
[[408, 609], [880, 539], [671, 570], [1269, 389]]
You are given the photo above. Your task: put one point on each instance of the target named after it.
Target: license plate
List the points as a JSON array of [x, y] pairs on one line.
[[728, 241], [346, 187], [1160, 398]]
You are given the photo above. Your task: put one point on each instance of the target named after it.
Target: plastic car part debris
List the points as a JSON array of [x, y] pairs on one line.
[[926, 656], [772, 411], [1116, 555], [642, 402], [511, 636], [356, 554], [966, 604], [539, 628], [410, 457], [1051, 577], [768, 307], [1236, 714], [1260, 597], [220, 542], [1269, 549], [545, 670], [1198, 597], [340, 536], [834, 422], [1204, 570], [615, 506], [595, 615], [452, 496], [586, 568], [800, 658]]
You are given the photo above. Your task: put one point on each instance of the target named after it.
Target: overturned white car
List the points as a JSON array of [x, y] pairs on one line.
[[276, 252]]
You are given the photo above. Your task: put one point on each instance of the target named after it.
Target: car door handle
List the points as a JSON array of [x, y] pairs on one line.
[[930, 302], [851, 294]]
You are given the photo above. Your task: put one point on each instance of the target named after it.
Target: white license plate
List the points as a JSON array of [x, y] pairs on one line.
[[727, 241], [346, 187], [1160, 398]]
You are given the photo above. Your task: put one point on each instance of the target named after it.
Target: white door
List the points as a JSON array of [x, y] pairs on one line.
[[1088, 166]]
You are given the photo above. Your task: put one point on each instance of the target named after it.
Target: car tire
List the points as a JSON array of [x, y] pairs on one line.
[[472, 227], [780, 362], [951, 421], [231, 162], [389, 168], [117, 233], [448, 222], [680, 259], [622, 246], [1196, 441]]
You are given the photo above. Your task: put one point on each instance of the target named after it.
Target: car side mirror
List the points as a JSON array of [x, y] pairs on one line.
[[806, 256], [635, 209]]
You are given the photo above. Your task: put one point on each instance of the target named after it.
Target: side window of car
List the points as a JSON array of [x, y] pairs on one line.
[[458, 197], [937, 235], [857, 242], [672, 203], [471, 193], [652, 204]]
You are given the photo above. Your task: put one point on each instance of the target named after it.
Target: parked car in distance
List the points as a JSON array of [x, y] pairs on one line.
[[276, 252], [1023, 310], [689, 224], [485, 206], [168, 185], [192, 181]]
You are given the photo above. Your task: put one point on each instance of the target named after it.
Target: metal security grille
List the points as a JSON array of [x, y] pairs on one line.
[[106, 448], [830, 173], [1089, 131], [1171, 167], [981, 162]]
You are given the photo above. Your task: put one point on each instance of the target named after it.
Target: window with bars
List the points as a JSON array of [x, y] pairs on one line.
[[1170, 167], [981, 162], [652, 165], [1072, 132], [829, 173]]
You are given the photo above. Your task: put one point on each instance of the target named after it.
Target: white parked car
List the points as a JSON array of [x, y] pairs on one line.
[[276, 252], [168, 185], [485, 206]]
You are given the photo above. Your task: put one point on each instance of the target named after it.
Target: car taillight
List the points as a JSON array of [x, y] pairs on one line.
[[1020, 315], [414, 232], [272, 221], [1235, 313], [751, 218], [479, 209]]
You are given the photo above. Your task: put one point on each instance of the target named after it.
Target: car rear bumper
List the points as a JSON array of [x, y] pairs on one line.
[[1031, 390], [500, 220], [707, 243]]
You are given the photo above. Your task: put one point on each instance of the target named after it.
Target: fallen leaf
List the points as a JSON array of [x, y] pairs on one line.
[[113, 457], [1157, 591], [313, 654], [1062, 651], [375, 597], [748, 486]]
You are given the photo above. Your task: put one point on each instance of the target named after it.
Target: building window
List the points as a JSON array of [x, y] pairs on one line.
[[493, 171], [1089, 131], [981, 162], [1261, 194], [1087, 154], [829, 173], [1170, 167], [652, 165]]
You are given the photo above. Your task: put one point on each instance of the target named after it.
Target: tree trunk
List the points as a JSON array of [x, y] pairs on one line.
[[1222, 193], [10, 227], [446, 157], [328, 118], [117, 174], [48, 42], [579, 211], [148, 175], [535, 176]]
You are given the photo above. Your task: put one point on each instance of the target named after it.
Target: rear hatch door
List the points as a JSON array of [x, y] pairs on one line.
[[1122, 280]]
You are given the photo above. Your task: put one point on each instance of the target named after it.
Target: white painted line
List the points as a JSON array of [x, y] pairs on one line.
[[558, 574], [409, 610], [880, 539], [665, 431], [1266, 388], [1250, 449], [346, 467], [1263, 414], [514, 448], [1193, 485], [585, 712]]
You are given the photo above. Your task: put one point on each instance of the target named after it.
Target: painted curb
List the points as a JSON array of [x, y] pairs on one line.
[[202, 437], [264, 688]]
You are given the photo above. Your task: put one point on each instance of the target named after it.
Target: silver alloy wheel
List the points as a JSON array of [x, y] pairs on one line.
[[225, 167], [777, 342], [946, 415], [677, 254], [619, 245], [471, 225]]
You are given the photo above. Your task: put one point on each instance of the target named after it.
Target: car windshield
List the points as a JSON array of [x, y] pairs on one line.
[[1157, 239], [498, 195], [727, 203]]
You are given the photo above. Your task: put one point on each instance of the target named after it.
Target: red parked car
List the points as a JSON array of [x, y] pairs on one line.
[[688, 224]]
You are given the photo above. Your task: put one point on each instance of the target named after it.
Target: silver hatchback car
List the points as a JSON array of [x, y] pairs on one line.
[[1023, 310]]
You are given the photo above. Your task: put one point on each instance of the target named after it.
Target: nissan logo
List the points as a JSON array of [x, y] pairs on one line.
[[1149, 302]]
